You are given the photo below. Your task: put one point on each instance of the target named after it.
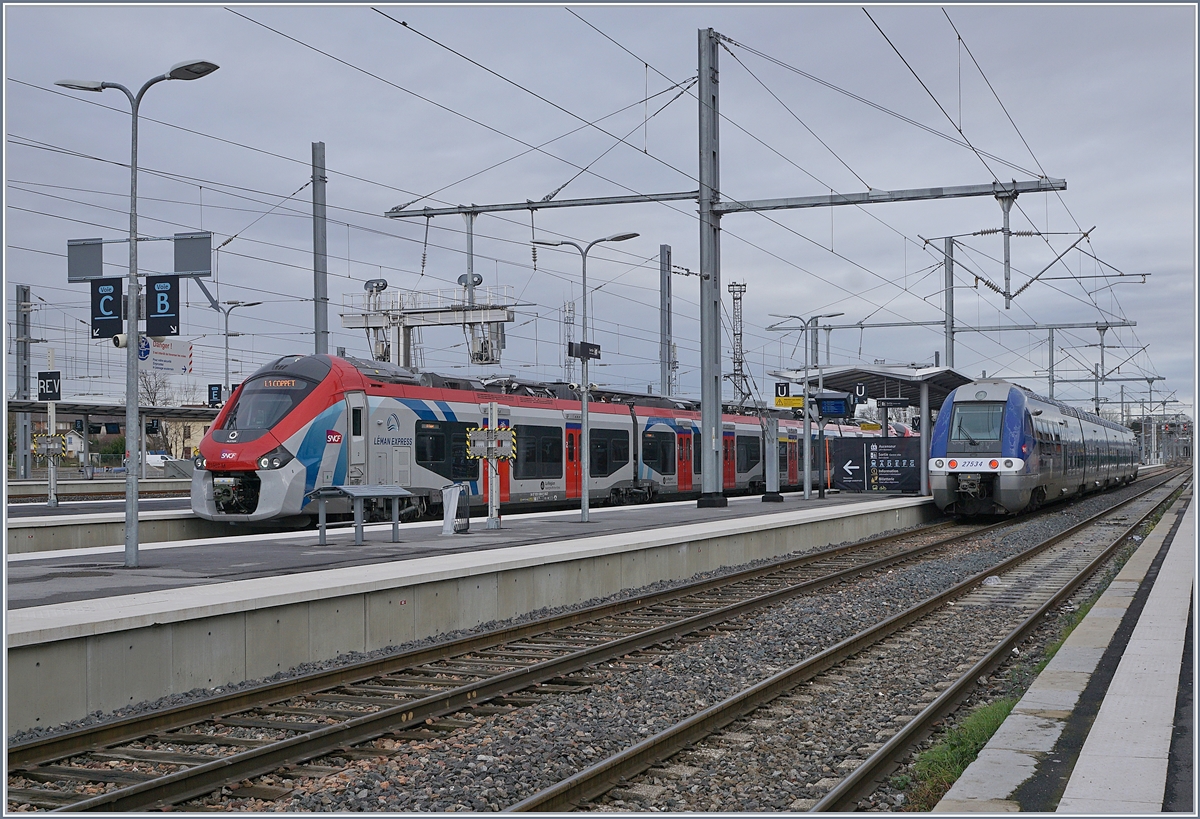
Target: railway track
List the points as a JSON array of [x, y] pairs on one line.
[[830, 690], [172, 756]]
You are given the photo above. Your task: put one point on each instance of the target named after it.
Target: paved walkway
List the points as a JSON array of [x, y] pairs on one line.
[[1122, 764]]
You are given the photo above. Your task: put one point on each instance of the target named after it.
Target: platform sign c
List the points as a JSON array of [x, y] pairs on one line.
[[107, 301]]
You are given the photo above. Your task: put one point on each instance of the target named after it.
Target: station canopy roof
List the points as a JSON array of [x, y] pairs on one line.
[[885, 382], [63, 408]]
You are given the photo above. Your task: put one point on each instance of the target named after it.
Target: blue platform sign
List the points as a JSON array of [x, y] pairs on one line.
[[107, 301], [162, 305]]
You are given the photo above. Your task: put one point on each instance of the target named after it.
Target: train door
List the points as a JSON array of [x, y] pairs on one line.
[[356, 412], [401, 466], [729, 462], [574, 459], [381, 468], [684, 472], [793, 462]]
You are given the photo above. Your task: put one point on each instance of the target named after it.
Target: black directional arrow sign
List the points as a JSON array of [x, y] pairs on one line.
[[162, 305], [106, 307]]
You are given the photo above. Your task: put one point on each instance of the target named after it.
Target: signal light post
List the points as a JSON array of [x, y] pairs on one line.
[[190, 70]]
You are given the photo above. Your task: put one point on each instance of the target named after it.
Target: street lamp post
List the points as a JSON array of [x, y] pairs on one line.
[[586, 445], [233, 304], [810, 326], [189, 70]]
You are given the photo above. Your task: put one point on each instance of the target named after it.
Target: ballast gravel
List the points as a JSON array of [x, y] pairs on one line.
[[504, 758]]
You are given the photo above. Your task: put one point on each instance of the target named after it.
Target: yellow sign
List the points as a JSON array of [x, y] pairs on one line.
[[793, 401]]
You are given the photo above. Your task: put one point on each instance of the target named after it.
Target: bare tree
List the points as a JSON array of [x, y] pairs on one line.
[[156, 390]]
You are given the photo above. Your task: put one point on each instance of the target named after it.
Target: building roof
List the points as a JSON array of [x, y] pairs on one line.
[[885, 382], [114, 410]]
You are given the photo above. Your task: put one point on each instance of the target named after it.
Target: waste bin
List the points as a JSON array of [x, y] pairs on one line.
[[456, 511], [89, 472]]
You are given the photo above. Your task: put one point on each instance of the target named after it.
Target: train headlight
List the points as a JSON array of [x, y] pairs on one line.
[[199, 462], [994, 464], [953, 464], [274, 459], [1008, 464], [939, 463]]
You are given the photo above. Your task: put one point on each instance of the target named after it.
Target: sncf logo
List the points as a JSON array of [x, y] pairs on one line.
[[332, 436]]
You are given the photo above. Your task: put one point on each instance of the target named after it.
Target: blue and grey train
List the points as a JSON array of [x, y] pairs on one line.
[[999, 449]]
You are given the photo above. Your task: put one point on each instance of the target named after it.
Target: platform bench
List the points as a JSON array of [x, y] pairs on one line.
[[358, 493]]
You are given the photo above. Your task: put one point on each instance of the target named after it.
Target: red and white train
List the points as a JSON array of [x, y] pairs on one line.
[[305, 422]]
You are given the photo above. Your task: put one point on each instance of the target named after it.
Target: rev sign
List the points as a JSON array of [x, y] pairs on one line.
[[107, 299], [50, 386]]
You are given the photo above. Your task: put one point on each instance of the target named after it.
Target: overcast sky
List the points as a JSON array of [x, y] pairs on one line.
[[492, 104]]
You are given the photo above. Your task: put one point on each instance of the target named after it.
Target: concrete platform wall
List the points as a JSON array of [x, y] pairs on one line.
[[70, 660], [46, 534], [99, 486]]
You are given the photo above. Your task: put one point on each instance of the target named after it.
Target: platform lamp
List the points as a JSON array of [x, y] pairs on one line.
[[585, 447], [231, 306], [810, 326], [188, 70]]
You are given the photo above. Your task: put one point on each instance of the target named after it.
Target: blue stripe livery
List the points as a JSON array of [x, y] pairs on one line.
[[312, 448]]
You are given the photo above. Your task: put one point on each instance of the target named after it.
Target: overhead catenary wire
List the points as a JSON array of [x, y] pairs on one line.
[[427, 224]]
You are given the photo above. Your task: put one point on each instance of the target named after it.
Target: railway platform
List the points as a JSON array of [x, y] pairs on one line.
[[87, 634], [1107, 727]]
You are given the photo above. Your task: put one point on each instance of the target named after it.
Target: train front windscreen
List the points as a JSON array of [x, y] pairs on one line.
[[263, 402], [975, 423]]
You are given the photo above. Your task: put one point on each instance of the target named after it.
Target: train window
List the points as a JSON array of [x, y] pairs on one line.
[[783, 466], [431, 448], [610, 451], [539, 452], [462, 468], [264, 401], [976, 422], [356, 422], [748, 452], [550, 453], [571, 448], [658, 451], [441, 447], [526, 462]]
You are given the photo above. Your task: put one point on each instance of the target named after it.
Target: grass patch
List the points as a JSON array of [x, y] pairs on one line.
[[939, 767]]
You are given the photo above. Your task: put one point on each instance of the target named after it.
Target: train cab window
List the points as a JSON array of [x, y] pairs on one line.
[[539, 452], [441, 447], [610, 451], [658, 451], [748, 452], [972, 423], [265, 401]]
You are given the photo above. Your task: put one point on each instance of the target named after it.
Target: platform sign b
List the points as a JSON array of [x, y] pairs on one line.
[[162, 305]]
